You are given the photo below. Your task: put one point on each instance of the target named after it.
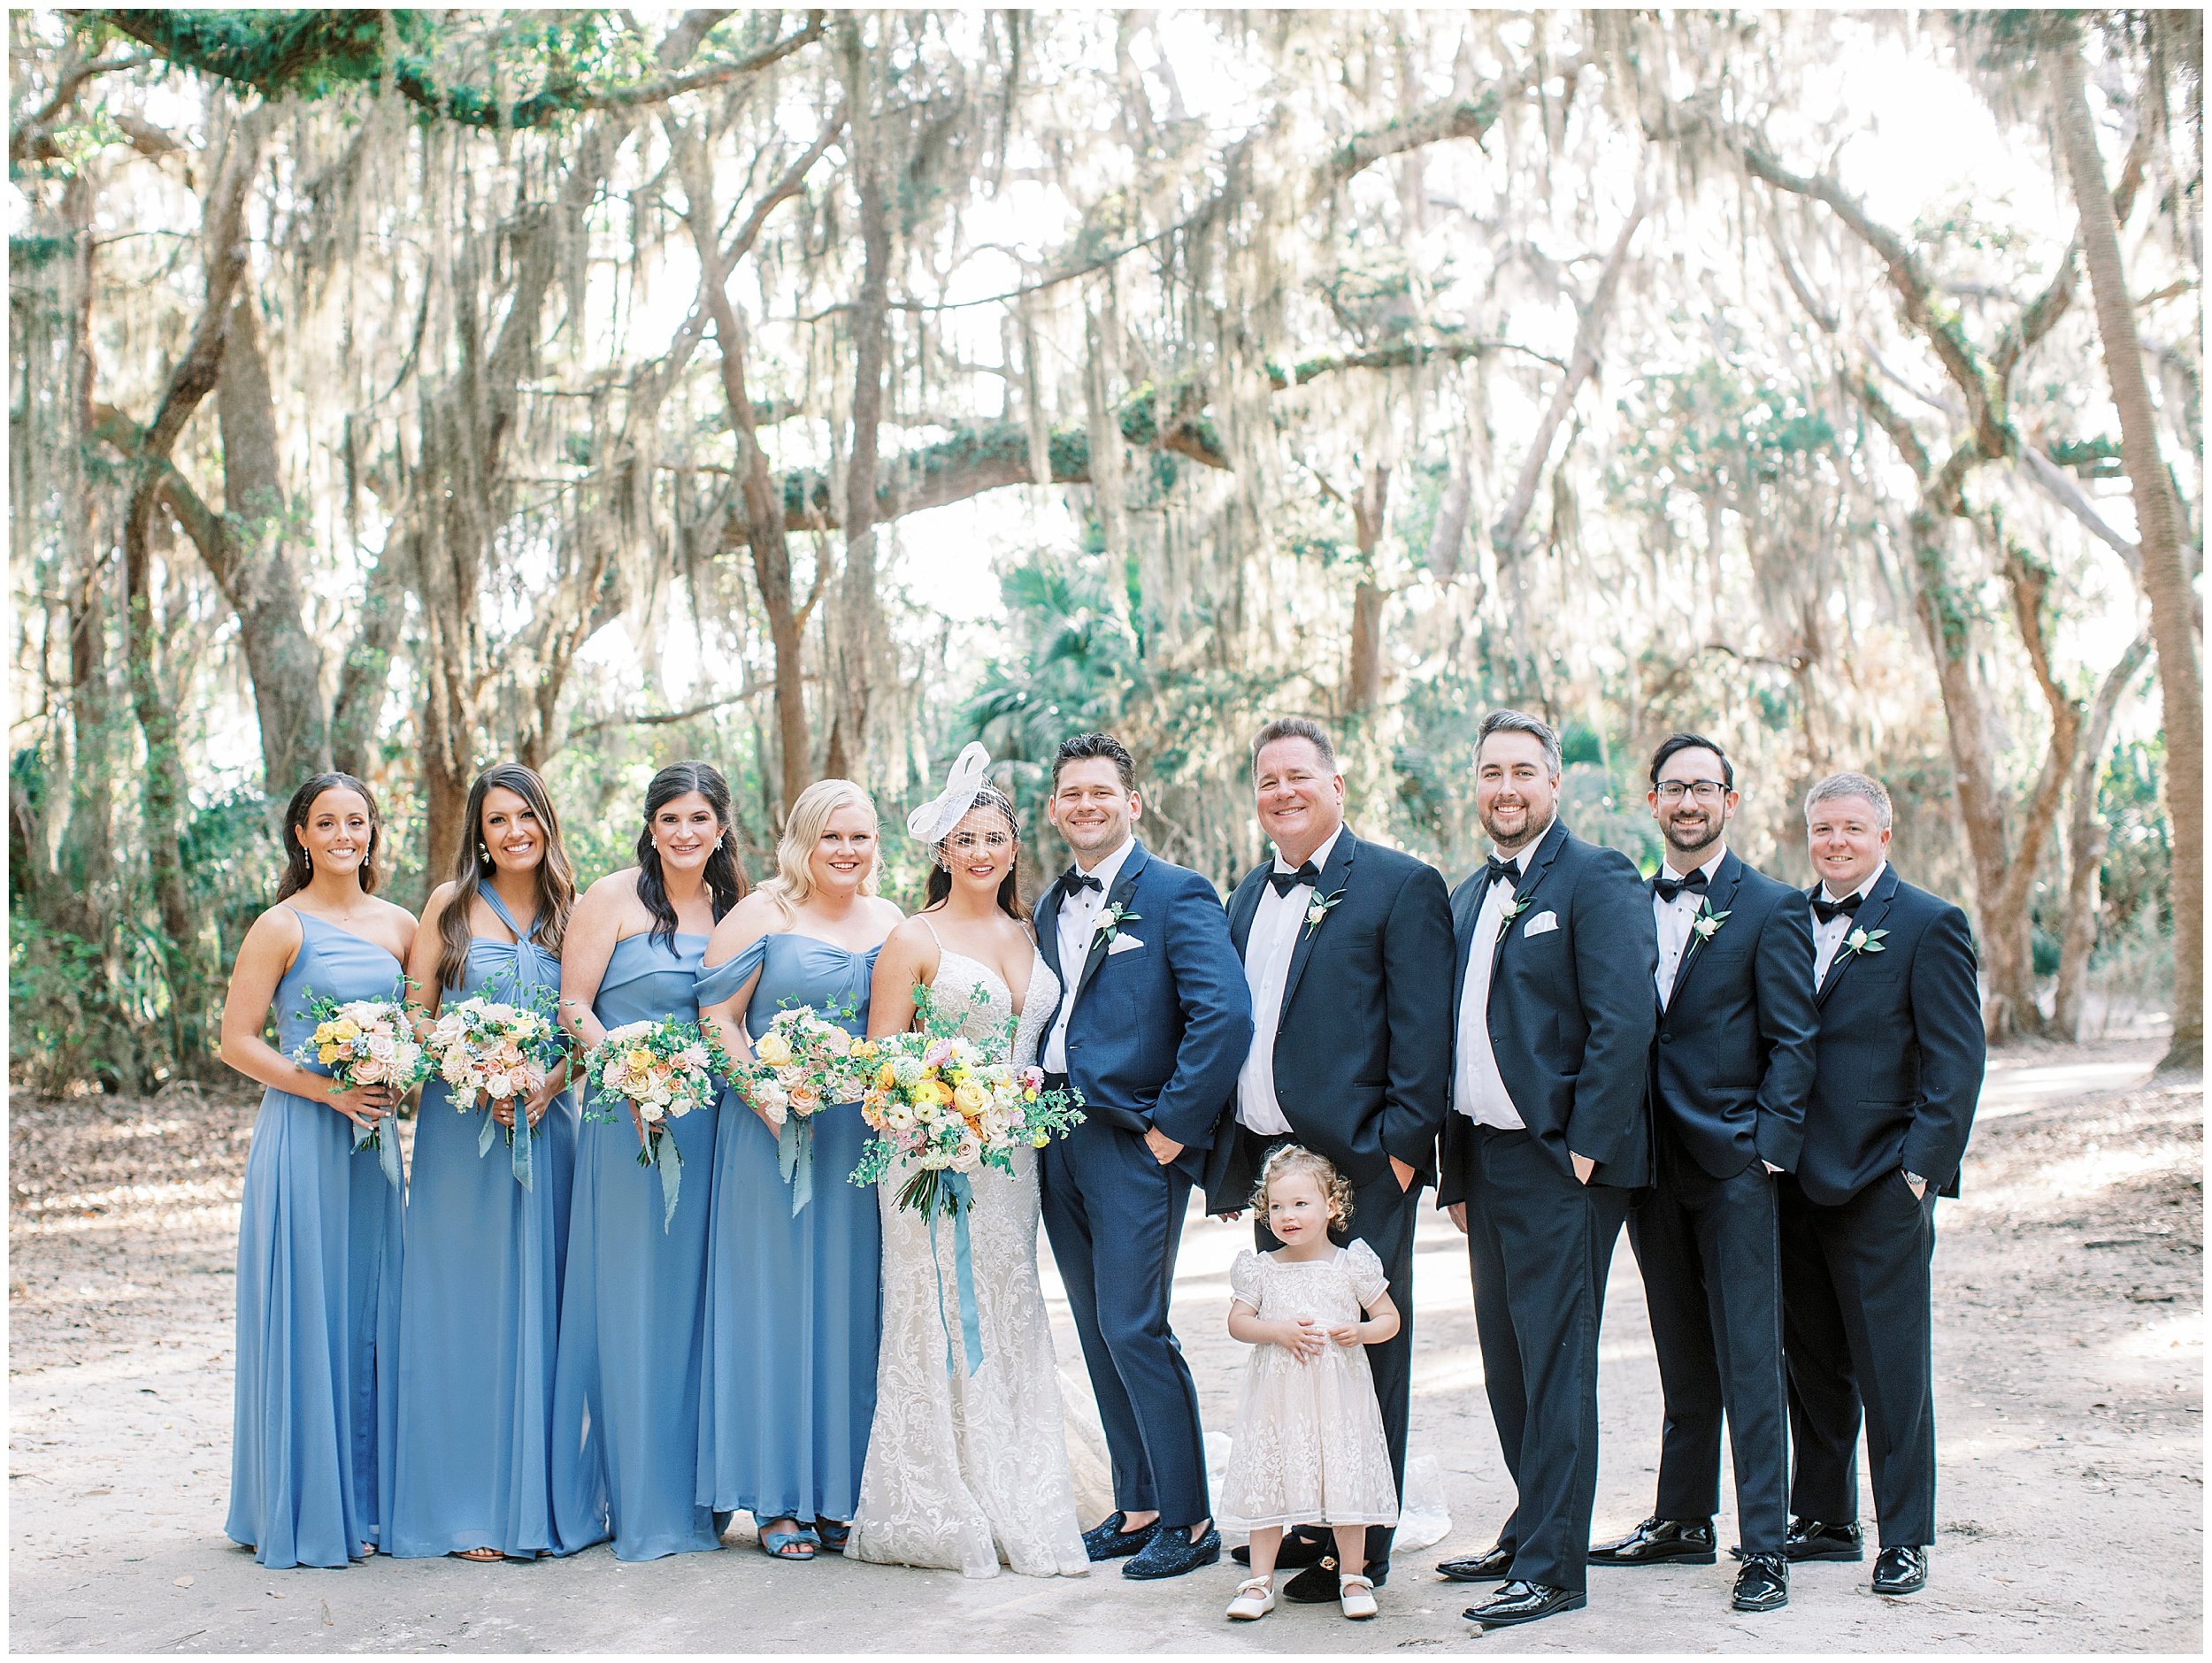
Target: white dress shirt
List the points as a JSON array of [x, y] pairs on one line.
[[1077, 926], [1479, 1091], [1827, 938], [1268, 947], [1673, 918]]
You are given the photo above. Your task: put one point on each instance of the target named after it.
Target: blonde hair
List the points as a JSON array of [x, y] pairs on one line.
[[1336, 1189], [803, 829]]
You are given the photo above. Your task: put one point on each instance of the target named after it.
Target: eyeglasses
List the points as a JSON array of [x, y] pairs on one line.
[[1705, 790]]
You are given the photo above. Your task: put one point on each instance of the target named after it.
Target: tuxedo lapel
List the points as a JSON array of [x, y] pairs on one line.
[[1869, 918], [1531, 880], [1335, 876], [1718, 898], [1466, 911], [1047, 920], [1125, 886], [1245, 904]]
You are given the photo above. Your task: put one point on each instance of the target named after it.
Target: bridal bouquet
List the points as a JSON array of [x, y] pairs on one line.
[[805, 1062], [662, 1070], [366, 1042], [947, 1107], [490, 1050]]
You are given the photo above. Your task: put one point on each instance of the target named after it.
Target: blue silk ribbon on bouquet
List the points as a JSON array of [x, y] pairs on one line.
[[795, 1158], [386, 1147], [961, 1194]]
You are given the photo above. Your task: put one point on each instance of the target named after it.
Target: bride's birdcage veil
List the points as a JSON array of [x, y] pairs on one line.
[[966, 786]]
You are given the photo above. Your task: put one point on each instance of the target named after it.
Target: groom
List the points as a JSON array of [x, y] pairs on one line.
[[1152, 1026]]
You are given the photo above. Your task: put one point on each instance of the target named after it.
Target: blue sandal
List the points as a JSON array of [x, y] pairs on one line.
[[833, 1535], [777, 1545]]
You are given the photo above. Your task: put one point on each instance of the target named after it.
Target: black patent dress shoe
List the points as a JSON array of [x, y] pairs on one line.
[[1524, 1602], [1171, 1553], [1491, 1567], [1660, 1542], [1317, 1584], [1110, 1541], [1809, 1539], [1763, 1583], [1900, 1570], [1297, 1551]]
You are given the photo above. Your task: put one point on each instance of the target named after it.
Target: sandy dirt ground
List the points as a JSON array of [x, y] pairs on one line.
[[2068, 1356]]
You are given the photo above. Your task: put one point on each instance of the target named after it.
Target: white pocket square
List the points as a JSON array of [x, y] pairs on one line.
[[1542, 924], [1124, 944]]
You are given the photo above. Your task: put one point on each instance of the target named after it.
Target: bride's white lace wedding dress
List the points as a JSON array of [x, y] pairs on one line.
[[965, 1470]]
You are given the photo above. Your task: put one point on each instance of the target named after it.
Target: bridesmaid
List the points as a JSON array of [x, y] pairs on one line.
[[319, 1226], [793, 1309], [625, 1395], [479, 1317]]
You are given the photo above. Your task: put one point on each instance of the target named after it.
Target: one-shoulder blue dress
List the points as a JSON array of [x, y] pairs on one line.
[[480, 1316], [625, 1393], [319, 1262], [794, 1304]]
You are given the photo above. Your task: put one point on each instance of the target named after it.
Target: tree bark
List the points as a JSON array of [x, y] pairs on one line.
[[1363, 677], [2085, 847], [2166, 576]]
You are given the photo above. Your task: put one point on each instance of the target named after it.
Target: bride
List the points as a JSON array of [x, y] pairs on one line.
[[966, 1469]]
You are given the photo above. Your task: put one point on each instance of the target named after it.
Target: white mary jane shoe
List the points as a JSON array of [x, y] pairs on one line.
[[1357, 1595], [1256, 1597]]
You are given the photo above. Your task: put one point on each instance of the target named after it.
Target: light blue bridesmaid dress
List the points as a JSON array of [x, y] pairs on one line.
[[626, 1394], [319, 1258], [478, 1319], [794, 1305]]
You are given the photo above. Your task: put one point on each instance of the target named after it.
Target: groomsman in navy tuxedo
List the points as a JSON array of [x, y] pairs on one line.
[[1899, 1070], [1730, 1073], [1552, 1036], [1152, 1025], [1346, 946]]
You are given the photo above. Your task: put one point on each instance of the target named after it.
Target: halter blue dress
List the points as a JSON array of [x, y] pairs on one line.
[[626, 1394], [479, 1318], [794, 1305], [318, 1259]]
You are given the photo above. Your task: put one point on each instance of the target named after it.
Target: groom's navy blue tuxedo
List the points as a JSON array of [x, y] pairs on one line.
[[1731, 1069], [1900, 1061], [1155, 1035], [1570, 1021], [1361, 1062]]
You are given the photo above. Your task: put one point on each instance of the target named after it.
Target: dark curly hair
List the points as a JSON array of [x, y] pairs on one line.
[[1084, 746]]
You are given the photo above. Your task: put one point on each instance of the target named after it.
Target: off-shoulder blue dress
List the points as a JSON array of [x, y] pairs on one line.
[[480, 1316], [794, 1304], [319, 1274], [626, 1394]]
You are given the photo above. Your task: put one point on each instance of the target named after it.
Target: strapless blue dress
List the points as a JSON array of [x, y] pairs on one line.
[[480, 1316], [625, 1393], [319, 1280], [794, 1305]]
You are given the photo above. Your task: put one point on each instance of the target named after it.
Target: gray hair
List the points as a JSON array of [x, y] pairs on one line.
[[1851, 786], [1521, 722], [1294, 727]]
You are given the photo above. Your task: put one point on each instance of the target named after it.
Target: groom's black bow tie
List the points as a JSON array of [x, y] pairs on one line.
[[1076, 879], [1667, 887], [1826, 909], [1503, 872], [1285, 882]]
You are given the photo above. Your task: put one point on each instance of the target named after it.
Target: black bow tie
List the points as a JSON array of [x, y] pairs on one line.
[[1285, 882], [1667, 887], [1503, 872], [1075, 878], [1826, 909]]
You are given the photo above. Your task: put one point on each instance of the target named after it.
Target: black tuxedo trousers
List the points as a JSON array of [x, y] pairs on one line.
[[1859, 1338], [1539, 1246], [1383, 1217], [1709, 1252]]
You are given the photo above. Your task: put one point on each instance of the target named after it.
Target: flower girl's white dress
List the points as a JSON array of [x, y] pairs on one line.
[[964, 1470], [1308, 1447]]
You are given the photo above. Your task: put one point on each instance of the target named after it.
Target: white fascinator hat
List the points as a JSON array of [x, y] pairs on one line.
[[933, 820]]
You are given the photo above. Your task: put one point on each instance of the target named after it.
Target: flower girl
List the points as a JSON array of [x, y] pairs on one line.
[[1309, 1446]]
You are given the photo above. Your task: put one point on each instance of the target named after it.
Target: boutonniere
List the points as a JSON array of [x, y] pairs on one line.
[[1861, 940], [1110, 921], [1706, 923], [1514, 909], [1318, 907]]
